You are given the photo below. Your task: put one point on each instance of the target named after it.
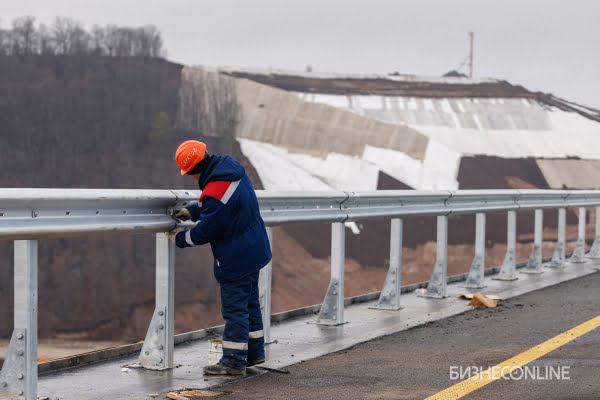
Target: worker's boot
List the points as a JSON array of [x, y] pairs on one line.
[[222, 369], [250, 363]]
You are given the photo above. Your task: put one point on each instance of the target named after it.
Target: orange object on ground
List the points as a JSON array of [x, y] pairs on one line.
[[481, 300], [188, 154]]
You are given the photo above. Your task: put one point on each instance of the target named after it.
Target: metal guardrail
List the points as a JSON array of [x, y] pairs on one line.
[[27, 215]]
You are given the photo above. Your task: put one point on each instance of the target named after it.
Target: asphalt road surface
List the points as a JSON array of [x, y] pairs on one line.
[[423, 361]]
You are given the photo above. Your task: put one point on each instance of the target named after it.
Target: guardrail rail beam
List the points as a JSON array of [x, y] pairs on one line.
[[32, 214]]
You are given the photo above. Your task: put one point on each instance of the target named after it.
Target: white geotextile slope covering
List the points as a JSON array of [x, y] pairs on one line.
[[502, 127], [281, 170], [438, 171], [509, 128], [276, 170]]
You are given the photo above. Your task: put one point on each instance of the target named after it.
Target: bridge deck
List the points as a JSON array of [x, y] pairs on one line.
[[296, 341], [417, 363]]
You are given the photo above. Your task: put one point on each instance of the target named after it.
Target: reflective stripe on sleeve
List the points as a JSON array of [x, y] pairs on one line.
[[230, 191], [235, 345], [188, 239], [256, 334]]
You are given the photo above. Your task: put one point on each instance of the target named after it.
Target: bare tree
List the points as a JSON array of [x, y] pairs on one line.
[[4, 47], [68, 37], [150, 41], [60, 34], [143, 42], [98, 46], [127, 45], [111, 39], [46, 46], [79, 40], [24, 36]]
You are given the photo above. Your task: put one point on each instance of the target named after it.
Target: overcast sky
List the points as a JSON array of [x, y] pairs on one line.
[[547, 45]]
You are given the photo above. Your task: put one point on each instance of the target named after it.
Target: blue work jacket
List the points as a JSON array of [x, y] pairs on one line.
[[229, 219]]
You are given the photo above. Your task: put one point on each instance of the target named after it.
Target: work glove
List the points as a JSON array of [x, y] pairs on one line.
[[180, 240], [182, 215]]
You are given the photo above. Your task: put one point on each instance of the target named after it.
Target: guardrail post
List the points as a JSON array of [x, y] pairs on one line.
[[332, 310], [264, 291], [158, 348], [437, 283], [389, 299], [534, 265], [595, 250], [508, 271], [558, 258], [477, 271], [19, 377], [578, 255]]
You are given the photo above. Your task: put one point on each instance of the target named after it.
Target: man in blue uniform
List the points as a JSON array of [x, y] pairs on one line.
[[229, 219]]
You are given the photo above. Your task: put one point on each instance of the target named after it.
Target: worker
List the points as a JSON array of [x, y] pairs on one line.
[[228, 218]]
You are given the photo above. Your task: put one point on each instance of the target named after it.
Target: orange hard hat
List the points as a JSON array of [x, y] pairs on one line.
[[188, 154]]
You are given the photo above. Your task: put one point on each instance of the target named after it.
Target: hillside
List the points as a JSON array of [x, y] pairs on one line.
[[100, 122], [320, 131]]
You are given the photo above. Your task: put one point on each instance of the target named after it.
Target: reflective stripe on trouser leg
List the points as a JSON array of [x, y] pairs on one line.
[[235, 298], [256, 338]]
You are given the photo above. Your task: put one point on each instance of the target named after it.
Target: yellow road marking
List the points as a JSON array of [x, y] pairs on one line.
[[469, 385]]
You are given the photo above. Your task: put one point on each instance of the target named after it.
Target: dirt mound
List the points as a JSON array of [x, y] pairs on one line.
[[386, 87]]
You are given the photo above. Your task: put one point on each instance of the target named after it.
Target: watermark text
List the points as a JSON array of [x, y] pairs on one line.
[[509, 372]]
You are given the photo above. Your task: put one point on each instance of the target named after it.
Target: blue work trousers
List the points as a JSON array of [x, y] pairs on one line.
[[243, 337]]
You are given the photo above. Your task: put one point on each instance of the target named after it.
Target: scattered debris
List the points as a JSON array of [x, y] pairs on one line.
[[153, 395], [148, 365], [193, 394], [469, 296], [125, 369], [421, 291], [481, 300], [280, 371]]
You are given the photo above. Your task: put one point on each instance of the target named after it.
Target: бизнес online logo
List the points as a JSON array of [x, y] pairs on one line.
[[510, 372]]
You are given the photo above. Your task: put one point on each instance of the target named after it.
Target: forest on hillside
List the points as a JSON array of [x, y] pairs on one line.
[[66, 36], [95, 120]]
